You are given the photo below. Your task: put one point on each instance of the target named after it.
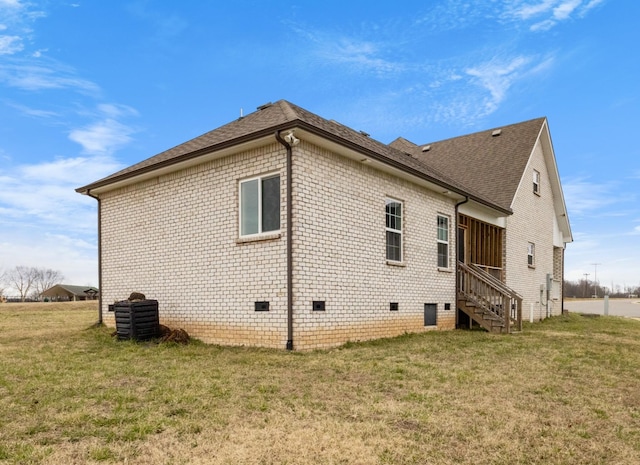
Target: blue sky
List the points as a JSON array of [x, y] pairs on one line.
[[89, 87]]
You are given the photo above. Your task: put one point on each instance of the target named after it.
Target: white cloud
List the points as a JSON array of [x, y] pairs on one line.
[[527, 11], [38, 76], [584, 196], [45, 222], [75, 257], [546, 14], [43, 194], [113, 110], [497, 76], [564, 10], [10, 3], [102, 137], [362, 55], [359, 55], [28, 111], [10, 45]]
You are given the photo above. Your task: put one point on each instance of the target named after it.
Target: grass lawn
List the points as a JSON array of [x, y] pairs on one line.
[[565, 391]]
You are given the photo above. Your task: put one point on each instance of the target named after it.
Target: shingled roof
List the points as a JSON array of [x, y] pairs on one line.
[[281, 116], [490, 162]]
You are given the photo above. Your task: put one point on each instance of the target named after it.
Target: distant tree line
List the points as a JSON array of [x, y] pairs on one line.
[[586, 288], [29, 281]]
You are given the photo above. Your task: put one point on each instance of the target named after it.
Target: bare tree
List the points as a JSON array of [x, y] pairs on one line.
[[46, 278], [22, 278]]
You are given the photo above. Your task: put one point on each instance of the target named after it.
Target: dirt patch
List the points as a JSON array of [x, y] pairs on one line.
[[179, 336]]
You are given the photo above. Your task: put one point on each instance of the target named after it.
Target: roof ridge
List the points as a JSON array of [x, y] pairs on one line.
[[287, 108], [542, 118]]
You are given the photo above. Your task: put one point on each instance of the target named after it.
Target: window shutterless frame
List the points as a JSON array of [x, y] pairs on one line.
[[531, 254], [259, 205], [393, 213], [536, 182], [443, 241]]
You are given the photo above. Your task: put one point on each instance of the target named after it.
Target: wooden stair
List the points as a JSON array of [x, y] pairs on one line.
[[487, 301]]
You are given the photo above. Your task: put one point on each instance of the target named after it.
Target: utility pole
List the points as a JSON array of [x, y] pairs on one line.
[[586, 284], [595, 278]]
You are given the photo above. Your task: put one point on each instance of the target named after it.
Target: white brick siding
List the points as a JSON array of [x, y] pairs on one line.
[[533, 222], [339, 252], [175, 239]]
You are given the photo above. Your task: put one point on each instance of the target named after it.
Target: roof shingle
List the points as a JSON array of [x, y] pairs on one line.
[[490, 164], [456, 164]]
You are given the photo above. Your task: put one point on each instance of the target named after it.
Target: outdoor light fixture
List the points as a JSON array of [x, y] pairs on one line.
[[291, 139]]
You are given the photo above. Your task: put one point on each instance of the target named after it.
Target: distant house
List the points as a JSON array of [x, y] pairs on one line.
[[67, 292], [284, 229]]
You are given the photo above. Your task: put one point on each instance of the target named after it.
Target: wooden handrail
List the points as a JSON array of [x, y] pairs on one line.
[[495, 281], [490, 294]]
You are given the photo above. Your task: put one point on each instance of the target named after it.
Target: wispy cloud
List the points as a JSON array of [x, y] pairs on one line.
[[478, 90], [10, 45], [10, 4], [102, 137], [496, 76], [43, 193], [34, 112], [584, 196], [16, 18], [44, 75], [353, 53], [544, 15], [46, 223]]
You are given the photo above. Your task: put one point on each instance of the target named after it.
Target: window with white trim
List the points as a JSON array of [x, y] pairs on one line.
[[531, 254], [443, 241], [536, 182], [394, 230], [259, 205]]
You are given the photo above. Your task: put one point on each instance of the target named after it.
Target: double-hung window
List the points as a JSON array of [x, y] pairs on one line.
[[394, 230], [443, 241], [531, 254], [259, 205], [536, 182]]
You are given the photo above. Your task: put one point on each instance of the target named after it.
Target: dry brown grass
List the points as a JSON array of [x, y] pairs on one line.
[[566, 391]]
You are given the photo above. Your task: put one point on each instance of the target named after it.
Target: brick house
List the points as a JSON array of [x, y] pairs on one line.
[[284, 229]]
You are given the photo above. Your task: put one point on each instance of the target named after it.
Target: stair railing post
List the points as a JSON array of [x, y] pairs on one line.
[[506, 306]]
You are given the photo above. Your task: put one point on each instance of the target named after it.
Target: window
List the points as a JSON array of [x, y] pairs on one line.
[[443, 242], [394, 230], [536, 182], [531, 254], [259, 205]]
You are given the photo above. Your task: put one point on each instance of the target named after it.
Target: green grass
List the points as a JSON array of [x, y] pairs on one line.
[[565, 391]]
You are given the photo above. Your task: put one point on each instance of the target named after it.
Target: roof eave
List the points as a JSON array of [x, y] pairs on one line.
[[128, 177], [247, 138]]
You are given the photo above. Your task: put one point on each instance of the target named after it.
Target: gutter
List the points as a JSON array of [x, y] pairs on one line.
[[99, 323], [456, 222], [289, 243]]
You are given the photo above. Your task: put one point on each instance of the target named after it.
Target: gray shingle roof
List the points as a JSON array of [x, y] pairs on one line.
[[488, 164], [284, 115], [75, 290]]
